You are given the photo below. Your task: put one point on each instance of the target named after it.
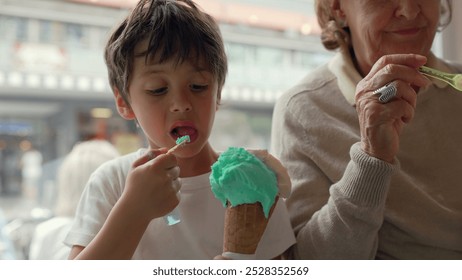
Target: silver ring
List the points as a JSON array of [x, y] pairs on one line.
[[387, 92]]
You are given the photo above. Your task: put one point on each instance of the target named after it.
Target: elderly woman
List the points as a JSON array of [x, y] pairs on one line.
[[374, 175]]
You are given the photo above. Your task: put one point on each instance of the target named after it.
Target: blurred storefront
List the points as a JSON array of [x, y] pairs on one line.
[[54, 91]]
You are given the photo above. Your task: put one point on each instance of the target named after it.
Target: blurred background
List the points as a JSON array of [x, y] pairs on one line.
[[54, 91]]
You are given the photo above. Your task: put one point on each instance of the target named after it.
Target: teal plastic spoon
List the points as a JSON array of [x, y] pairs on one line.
[[173, 217], [455, 80]]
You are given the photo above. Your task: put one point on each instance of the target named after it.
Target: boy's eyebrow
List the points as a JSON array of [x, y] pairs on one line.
[[154, 70], [149, 71]]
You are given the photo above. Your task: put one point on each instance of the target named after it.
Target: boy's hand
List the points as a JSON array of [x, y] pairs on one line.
[[152, 184]]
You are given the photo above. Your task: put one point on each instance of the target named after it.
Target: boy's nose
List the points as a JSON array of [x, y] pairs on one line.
[[180, 103]]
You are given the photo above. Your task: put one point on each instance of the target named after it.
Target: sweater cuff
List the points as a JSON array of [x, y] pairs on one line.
[[366, 179]]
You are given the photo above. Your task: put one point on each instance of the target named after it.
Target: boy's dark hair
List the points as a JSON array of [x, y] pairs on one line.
[[175, 29]]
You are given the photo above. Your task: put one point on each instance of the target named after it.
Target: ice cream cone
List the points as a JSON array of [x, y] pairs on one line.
[[244, 227], [249, 189]]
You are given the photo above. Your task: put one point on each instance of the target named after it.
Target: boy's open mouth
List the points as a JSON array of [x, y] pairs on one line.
[[180, 131]]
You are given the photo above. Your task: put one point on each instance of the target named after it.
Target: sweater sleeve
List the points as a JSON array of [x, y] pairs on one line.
[[331, 221], [347, 226]]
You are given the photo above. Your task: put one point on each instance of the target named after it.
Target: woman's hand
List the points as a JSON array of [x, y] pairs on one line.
[[381, 123], [284, 183], [152, 184]]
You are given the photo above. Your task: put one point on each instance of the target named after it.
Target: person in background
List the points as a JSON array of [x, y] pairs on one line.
[[31, 169], [374, 179], [73, 174], [167, 66]]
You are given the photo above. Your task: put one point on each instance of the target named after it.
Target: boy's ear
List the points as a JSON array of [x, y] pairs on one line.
[[217, 105], [124, 109]]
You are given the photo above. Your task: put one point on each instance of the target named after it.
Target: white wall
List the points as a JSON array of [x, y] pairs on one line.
[[450, 46]]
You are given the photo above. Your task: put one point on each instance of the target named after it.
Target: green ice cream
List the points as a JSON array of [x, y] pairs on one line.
[[239, 177]]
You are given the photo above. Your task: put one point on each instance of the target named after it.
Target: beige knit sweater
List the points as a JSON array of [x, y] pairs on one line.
[[348, 205]]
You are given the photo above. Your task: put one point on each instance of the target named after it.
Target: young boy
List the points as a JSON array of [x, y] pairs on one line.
[[167, 67]]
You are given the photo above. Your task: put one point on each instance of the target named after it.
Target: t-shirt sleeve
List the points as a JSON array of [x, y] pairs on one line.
[[98, 198]]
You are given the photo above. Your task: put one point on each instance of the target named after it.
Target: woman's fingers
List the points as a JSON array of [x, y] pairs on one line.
[[384, 63], [386, 100], [401, 69], [284, 183]]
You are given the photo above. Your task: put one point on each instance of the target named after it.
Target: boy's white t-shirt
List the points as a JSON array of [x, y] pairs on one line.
[[199, 235]]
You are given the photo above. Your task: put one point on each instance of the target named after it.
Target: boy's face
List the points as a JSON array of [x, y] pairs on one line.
[[170, 101]]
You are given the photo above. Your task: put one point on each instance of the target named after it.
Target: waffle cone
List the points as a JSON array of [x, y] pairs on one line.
[[244, 227]]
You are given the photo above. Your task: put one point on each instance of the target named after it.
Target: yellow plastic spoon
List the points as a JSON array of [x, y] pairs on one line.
[[455, 80]]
